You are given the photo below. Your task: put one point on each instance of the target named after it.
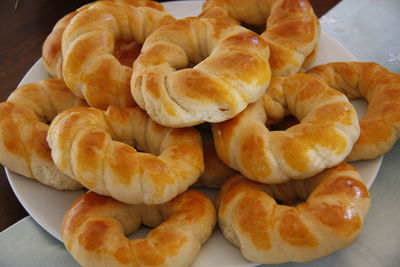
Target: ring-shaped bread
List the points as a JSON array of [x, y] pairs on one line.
[[230, 71], [94, 147], [51, 50], [90, 67], [326, 133], [23, 131], [330, 218], [95, 226], [291, 28], [380, 126]]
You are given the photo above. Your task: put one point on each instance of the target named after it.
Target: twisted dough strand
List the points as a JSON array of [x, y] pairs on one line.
[[231, 71], [325, 135], [89, 67], [23, 131], [51, 50], [84, 146], [95, 226], [336, 202], [292, 29], [380, 126]]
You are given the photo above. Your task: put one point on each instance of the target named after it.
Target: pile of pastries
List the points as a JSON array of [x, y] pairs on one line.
[[143, 107]]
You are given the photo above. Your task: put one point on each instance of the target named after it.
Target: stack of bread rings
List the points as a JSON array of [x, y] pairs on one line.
[[143, 106]]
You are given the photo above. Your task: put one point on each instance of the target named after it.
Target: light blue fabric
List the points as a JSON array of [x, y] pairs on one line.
[[27, 244], [370, 29]]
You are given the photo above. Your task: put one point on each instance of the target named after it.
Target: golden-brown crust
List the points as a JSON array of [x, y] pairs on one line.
[[231, 71], [325, 135], [215, 171], [51, 50], [95, 226], [95, 148], [89, 67], [292, 28], [336, 201], [380, 126], [23, 131]]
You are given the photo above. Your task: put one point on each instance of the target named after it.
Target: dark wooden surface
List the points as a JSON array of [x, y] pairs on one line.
[[23, 29]]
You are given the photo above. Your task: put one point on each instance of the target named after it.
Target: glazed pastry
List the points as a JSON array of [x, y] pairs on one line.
[[199, 70], [23, 131], [324, 137], [380, 126], [330, 218], [289, 26], [95, 148], [95, 226], [51, 50], [98, 48]]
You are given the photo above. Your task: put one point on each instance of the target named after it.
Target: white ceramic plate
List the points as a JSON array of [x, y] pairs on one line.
[[48, 206]]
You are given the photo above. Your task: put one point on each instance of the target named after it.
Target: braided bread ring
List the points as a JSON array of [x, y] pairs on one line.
[[292, 28], [94, 227], [51, 50], [89, 68], [82, 147], [380, 127], [23, 131], [232, 71], [331, 218], [325, 135]]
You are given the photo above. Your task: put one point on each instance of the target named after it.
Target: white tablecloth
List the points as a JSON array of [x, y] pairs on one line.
[[370, 29]]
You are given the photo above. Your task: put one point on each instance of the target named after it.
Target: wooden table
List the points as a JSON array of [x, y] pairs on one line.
[[24, 26]]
